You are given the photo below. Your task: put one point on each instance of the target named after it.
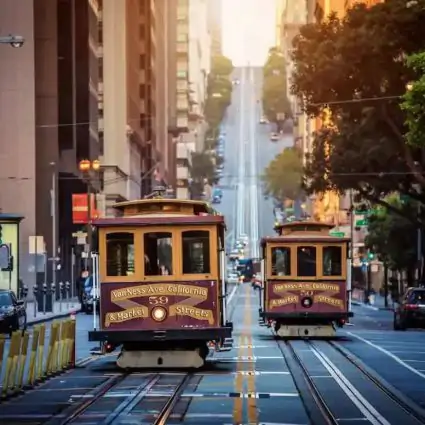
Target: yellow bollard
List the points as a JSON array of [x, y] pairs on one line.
[[40, 354], [62, 344], [2, 351], [72, 348], [56, 349], [15, 361], [51, 350], [9, 363], [32, 369], [67, 345], [22, 360]]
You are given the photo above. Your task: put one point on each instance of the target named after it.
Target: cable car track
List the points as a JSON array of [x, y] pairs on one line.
[[134, 398], [318, 402]]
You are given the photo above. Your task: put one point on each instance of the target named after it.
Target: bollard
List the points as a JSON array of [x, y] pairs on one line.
[[32, 369], [22, 360], [35, 291], [15, 361], [7, 377], [50, 364], [2, 350], [72, 342], [44, 291], [67, 293], [62, 345], [40, 355]]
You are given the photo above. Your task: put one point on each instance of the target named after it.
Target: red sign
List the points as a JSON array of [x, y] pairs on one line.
[[80, 210]]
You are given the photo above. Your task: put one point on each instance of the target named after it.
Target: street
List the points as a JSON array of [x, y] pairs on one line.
[[370, 374]]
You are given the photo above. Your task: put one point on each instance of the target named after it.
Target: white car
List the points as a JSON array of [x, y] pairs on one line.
[[235, 82], [233, 278], [263, 120], [274, 137]]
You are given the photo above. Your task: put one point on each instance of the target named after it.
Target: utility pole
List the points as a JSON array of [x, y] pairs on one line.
[[53, 213]]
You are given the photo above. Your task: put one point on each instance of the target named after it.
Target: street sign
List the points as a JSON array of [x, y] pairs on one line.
[[337, 234], [364, 222]]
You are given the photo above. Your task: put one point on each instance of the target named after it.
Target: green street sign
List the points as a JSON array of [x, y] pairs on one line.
[[366, 212], [362, 223], [337, 234]]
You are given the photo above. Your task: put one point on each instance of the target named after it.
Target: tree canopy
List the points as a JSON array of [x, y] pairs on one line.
[[354, 70], [414, 102], [392, 237], [282, 178], [274, 95], [219, 93], [203, 167]]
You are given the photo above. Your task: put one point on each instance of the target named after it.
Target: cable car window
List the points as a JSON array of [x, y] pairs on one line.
[[332, 261], [120, 254], [306, 261], [196, 252], [281, 261], [158, 254]]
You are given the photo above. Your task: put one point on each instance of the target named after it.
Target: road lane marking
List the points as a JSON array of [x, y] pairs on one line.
[[389, 354], [369, 412], [232, 294]]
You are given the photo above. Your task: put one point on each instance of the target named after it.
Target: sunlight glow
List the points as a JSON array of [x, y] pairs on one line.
[[248, 30]]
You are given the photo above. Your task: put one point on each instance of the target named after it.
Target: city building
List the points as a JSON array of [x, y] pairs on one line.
[[215, 26], [48, 121], [281, 5], [193, 65]]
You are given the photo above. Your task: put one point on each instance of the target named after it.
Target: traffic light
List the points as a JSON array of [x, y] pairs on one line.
[[370, 256]]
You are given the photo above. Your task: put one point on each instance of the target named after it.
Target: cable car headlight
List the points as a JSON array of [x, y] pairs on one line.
[[307, 302], [159, 314]]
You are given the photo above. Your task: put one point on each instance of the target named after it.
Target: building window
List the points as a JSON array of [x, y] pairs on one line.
[[332, 261], [142, 61], [281, 261], [142, 34], [306, 261], [120, 254], [158, 254], [196, 252]]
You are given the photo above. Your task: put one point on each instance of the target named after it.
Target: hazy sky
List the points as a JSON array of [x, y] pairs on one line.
[[248, 30]]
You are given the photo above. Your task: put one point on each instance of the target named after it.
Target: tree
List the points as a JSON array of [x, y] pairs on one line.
[[282, 178], [352, 69], [221, 65], [203, 167], [414, 102], [274, 95], [390, 237], [219, 94]]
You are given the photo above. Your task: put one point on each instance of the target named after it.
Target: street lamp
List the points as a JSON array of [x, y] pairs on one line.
[[15, 41], [87, 167]]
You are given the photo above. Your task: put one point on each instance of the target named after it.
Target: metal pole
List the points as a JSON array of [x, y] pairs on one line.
[[419, 245], [89, 226], [54, 219]]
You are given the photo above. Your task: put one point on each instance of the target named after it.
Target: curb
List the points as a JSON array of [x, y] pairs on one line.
[[55, 317], [371, 307]]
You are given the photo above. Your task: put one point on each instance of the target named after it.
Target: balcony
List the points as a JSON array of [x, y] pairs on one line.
[[182, 153], [182, 105], [182, 75], [182, 173], [182, 123], [182, 48]]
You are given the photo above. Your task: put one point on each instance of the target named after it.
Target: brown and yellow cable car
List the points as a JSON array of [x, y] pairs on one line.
[[161, 283], [306, 276]]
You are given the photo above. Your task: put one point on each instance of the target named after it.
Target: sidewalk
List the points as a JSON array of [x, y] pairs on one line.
[[377, 302], [60, 309]]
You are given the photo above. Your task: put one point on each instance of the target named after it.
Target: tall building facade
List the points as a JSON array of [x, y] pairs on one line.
[[215, 25], [193, 51], [48, 119]]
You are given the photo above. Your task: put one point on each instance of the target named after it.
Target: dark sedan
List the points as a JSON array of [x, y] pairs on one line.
[[13, 315]]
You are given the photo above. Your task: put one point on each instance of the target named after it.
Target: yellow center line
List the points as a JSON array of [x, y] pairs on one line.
[[245, 340], [252, 402]]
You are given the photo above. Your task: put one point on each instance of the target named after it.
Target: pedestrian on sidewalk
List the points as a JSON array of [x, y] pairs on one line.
[[79, 284]]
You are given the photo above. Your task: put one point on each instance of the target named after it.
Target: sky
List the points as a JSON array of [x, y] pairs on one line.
[[248, 30]]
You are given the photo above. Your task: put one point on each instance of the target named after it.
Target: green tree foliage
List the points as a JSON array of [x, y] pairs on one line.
[[203, 167], [354, 68], [282, 178], [274, 95], [414, 102], [219, 92], [391, 236]]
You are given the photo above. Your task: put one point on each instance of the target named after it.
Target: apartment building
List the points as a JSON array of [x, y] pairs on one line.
[[193, 61], [48, 119], [215, 26]]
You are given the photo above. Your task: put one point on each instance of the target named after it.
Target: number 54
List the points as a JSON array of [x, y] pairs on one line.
[[158, 300]]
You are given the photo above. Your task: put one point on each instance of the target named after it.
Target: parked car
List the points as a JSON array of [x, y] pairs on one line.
[[263, 120], [411, 311], [89, 297], [274, 137], [13, 315], [233, 278]]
